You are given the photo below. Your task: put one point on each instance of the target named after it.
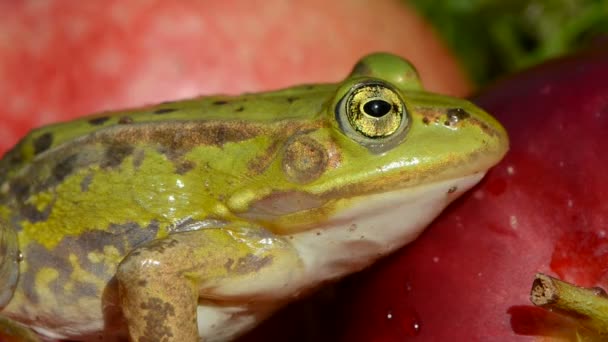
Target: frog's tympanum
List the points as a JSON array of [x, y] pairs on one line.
[[197, 219]]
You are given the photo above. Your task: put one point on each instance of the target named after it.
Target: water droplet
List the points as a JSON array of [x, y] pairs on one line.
[[411, 324], [407, 323], [416, 327]]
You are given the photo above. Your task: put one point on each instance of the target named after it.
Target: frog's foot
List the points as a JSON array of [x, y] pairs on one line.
[[160, 283]]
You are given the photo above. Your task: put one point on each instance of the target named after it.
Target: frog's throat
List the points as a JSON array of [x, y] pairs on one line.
[[357, 236], [386, 221], [9, 262]]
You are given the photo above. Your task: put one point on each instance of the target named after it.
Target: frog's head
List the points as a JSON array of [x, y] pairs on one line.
[[388, 158]]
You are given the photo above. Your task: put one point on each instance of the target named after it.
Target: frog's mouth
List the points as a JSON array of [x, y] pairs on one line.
[[295, 211]]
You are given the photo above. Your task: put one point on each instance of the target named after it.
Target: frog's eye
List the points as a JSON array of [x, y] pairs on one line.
[[372, 112]]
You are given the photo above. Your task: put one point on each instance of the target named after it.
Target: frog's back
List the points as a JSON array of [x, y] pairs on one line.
[[294, 103]]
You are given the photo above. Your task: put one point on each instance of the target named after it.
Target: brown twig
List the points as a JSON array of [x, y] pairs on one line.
[[589, 306]]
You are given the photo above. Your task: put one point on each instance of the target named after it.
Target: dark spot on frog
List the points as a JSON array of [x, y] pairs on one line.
[[86, 181], [484, 127], [134, 234], [84, 289], [157, 312], [258, 165], [239, 109], [228, 264], [251, 263], [142, 283], [318, 233], [115, 154], [426, 120], [184, 166], [164, 110], [219, 103], [32, 214], [124, 237], [43, 142], [292, 99], [138, 158], [171, 153], [64, 168], [125, 120], [452, 189], [39, 257], [99, 120], [20, 189], [455, 115], [11, 161]]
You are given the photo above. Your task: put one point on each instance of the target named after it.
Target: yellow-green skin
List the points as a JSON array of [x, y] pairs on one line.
[[209, 192]]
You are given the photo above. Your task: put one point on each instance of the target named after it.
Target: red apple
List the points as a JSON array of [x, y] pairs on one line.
[[62, 59], [544, 208]]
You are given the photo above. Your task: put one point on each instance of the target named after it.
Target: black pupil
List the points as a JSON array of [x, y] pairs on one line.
[[377, 108]]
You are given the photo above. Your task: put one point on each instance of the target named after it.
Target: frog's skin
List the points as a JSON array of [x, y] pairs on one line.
[[202, 217]]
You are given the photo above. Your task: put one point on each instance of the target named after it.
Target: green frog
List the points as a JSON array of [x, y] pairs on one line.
[[197, 219]]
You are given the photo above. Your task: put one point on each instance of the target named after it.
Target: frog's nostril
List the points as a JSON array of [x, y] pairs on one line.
[[456, 115]]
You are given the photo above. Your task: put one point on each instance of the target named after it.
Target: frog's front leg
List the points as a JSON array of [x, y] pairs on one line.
[[160, 283]]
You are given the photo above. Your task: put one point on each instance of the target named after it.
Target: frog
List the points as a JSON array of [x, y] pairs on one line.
[[197, 219]]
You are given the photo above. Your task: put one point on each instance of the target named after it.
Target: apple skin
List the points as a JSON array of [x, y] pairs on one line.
[[59, 60], [544, 208]]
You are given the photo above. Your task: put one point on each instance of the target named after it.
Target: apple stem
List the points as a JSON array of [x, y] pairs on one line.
[[589, 306]]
